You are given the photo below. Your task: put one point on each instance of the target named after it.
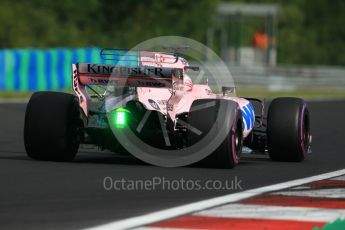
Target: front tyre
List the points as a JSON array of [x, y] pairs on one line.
[[52, 126], [288, 129]]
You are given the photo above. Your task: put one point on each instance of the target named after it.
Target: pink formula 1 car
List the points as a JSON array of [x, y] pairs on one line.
[[153, 95]]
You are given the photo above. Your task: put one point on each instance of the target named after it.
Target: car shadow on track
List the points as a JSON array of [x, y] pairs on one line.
[[109, 158], [21, 158]]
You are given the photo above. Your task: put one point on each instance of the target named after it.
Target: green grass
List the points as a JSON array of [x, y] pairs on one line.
[[20, 95], [339, 224], [14, 95], [305, 94]]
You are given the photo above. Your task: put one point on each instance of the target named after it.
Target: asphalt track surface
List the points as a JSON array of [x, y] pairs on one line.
[[53, 195]]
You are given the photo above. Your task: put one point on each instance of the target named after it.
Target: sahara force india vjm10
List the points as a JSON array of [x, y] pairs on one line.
[[158, 101]]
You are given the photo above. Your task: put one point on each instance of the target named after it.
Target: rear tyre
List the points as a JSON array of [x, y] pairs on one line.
[[52, 126], [227, 155], [288, 129]]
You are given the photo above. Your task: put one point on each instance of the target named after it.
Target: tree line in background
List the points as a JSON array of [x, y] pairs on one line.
[[309, 31]]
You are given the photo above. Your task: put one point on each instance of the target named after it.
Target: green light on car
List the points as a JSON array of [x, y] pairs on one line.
[[120, 117]]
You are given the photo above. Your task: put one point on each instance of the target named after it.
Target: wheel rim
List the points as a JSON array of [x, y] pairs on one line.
[[238, 140], [306, 132]]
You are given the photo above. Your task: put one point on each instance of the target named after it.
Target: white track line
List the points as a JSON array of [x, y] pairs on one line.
[[300, 187], [339, 178], [158, 228], [274, 213], [323, 193], [206, 204]]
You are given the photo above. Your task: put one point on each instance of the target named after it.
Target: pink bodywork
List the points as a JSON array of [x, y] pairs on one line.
[[173, 96], [162, 97]]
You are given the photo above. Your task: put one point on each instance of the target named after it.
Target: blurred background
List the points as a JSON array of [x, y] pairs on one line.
[[272, 48]]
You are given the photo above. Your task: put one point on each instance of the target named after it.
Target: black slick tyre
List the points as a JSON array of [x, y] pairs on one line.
[[288, 129], [52, 126], [204, 117]]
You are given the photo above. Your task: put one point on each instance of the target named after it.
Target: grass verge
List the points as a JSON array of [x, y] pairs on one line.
[[319, 94]]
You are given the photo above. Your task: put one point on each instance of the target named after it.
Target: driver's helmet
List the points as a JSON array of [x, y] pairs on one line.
[[187, 82]]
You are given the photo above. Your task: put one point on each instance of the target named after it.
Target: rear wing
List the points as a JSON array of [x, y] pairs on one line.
[[137, 76], [135, 58], [130, 68]]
